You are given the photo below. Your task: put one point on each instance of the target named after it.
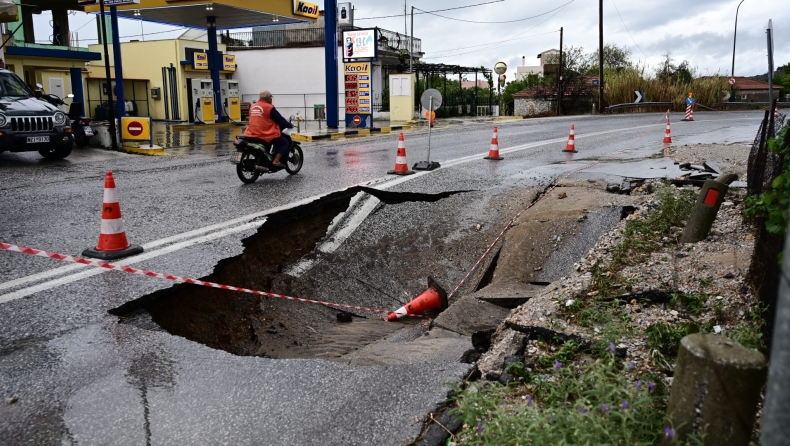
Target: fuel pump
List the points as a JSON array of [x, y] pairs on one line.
[[231, 99], [203, 95]]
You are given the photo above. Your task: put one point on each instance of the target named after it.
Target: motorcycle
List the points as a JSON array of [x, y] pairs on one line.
[[252, 159], [80, 126]]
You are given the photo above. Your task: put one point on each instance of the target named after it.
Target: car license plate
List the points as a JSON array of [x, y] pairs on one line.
[[88, 131], [235, 157], [37, 139]]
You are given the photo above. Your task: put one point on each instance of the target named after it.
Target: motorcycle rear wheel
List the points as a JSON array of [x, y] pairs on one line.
[[246, 168], [295, 160]]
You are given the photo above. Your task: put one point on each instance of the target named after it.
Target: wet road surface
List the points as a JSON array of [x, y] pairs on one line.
[[82, 375]]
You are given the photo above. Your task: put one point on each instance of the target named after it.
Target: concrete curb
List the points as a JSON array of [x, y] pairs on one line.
[[508, 118], [144, 150], [340, 135]]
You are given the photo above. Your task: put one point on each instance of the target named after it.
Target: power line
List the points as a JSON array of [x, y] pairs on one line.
[[629, 32], [428, 12], [505, 21], [489, 43], [493, 44]]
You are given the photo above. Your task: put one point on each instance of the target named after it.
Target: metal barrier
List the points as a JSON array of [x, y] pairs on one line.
[[639, 105]]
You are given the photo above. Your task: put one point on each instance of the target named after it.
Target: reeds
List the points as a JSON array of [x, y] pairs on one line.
[[620, 87]]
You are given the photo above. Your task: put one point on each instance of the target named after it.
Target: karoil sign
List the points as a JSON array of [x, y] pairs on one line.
[[306, 9], [200, 62]]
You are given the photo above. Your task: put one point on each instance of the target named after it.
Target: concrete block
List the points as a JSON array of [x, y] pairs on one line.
[[716, 389], [509, 293], [470, 314]]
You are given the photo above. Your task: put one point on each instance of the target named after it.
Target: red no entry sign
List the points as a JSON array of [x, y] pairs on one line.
[[135, 128], [357, 120]]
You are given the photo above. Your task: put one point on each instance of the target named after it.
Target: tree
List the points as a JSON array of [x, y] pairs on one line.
[[667, 71], [615, 57], [575, 82]]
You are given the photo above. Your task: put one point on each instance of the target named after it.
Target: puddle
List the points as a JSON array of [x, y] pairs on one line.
[[250, 325]]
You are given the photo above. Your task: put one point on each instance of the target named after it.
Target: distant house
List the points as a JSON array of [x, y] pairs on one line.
[[538, 99], [471, 84], [750, 90], [546, 65]]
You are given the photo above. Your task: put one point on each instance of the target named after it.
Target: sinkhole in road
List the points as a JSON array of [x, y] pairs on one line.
[[250, 325]]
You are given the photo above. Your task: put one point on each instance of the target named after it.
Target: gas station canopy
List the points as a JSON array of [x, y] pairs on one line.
[[229, 14]]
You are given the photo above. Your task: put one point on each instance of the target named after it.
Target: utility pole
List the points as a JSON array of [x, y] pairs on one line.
[[734, 37], [110, 109], [600, 56], [559, 80], [411, 41]]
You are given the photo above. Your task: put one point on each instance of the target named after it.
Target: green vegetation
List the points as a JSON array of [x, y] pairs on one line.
[[749, 331], [585, 402], [772, 205]]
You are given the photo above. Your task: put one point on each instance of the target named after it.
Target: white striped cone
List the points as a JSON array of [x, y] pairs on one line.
[[401, 167], [112, 236], [668, 135], [776, 112], [493, 153], [571, 145]]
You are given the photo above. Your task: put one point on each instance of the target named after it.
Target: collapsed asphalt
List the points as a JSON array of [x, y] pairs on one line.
[[81, 376]]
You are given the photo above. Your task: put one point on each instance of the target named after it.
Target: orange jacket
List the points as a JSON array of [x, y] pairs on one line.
[[262, 123]]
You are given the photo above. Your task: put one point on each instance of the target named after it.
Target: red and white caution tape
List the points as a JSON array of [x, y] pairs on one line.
[[130, 270]]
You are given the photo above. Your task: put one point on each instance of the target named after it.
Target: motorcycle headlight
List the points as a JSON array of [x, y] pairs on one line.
[[60, 118], [3, 120]]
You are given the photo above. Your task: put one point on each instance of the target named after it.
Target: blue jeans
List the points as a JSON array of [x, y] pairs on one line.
[[282, 145]]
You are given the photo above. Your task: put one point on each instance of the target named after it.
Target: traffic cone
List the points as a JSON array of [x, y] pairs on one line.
[[401, 167], [432, 298], [112, 237], [776, 112], [668, 135], [571, 146], [493, 153]]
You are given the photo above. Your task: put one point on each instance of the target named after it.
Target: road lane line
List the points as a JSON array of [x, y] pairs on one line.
[[139, 258], [385, 183]]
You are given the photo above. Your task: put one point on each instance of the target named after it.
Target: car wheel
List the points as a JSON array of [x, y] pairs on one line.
[[57, 152]]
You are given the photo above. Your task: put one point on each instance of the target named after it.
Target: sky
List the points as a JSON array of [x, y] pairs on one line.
[[699, 31]]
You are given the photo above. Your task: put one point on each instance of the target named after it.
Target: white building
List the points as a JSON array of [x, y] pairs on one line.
[[548, 57]]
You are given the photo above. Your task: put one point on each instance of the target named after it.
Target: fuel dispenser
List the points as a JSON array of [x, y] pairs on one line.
[[203, 95], [231, 99]]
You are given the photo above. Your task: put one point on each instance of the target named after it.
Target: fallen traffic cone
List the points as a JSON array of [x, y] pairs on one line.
[[401, 167], [432, 298], [668, 135], [571, 146], [112, 237], [493, 153]]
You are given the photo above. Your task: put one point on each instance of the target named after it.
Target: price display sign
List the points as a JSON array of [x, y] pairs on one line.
[[358, 93]]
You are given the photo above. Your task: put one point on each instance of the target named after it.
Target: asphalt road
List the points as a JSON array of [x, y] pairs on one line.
[[80, 376]]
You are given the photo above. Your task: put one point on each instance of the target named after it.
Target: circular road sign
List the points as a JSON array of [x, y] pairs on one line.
[[134, 128], [425, 99], [732, 81], [500, 68], [357, 120]]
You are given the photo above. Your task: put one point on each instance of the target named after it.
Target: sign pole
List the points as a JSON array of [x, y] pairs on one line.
[[110, 106], [330, 64], [430, 126]]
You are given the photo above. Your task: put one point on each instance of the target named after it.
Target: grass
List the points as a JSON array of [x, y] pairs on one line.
[[621, 86], [588, 402], [749, 331]]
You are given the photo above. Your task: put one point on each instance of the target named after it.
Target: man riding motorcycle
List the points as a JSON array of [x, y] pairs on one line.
[[266, 124]]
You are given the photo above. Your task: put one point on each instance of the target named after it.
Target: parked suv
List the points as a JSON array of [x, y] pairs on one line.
[[28, 124]]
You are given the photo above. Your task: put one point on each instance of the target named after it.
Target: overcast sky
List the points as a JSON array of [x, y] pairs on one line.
[[700, 31]]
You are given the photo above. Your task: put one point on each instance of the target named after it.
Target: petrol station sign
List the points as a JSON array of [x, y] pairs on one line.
[[306, 9], [359, 93]]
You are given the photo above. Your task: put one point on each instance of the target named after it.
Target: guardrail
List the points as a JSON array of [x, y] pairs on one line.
[[750, 104], [638, 105]]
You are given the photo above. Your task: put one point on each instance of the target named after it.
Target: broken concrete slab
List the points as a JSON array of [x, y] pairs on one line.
[[470, 314], [508, 293], [433, 346], [701, 176], [712, 166]]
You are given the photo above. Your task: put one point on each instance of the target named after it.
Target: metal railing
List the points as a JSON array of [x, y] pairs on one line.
[[303, 104], [308, 37]]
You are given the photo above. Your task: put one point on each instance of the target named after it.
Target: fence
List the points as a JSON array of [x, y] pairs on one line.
[[303, 104]]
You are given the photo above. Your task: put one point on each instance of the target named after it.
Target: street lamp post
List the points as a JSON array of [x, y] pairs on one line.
[[734, 36]]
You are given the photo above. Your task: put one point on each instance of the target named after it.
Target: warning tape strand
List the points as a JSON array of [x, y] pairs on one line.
[[130, 270]]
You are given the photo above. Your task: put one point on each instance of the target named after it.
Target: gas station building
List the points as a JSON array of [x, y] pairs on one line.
[[183, 79]]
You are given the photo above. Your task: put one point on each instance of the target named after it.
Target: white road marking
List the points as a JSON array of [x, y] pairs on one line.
[[139, 258], [380, 183]]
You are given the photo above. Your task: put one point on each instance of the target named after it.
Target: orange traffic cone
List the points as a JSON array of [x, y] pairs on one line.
[[571, 146], [112, 237], [432, 298], [776, 112], [401, 167], [667, 135], [493, 153]]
